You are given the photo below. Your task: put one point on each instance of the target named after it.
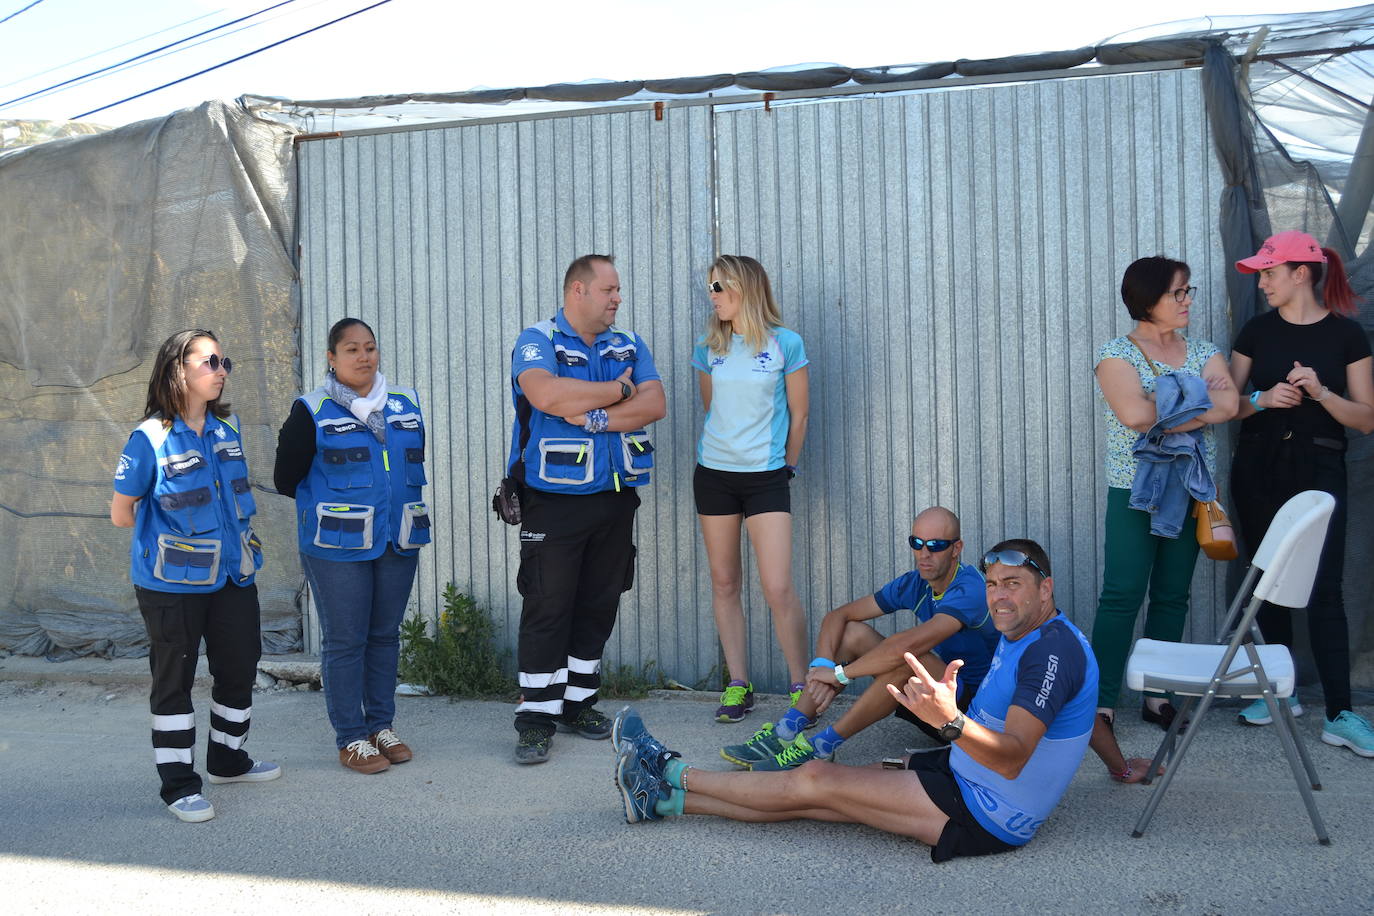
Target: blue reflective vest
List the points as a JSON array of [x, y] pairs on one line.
[[192, 530], [360, 494], [560, 457]]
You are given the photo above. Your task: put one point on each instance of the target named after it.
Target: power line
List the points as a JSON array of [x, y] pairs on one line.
[[144, 54], [122, 44], [17, 12], [232, 61]]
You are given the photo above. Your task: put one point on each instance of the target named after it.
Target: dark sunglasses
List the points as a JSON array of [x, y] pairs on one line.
[[715, 287], [1010, 558], [934, 545], [214, 362]]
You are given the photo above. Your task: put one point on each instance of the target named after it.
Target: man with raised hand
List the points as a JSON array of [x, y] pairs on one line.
[[1009, 760]]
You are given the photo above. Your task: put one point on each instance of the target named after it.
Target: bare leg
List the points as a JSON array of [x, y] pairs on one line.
[[876, 703], [722, 537], [771, 535], [857, 640], [890, 800]]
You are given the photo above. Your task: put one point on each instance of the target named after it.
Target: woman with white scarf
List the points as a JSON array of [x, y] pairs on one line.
[[352, 454]]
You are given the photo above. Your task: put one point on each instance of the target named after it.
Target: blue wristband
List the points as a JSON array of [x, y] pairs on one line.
[[821, 662], [1254, 401]]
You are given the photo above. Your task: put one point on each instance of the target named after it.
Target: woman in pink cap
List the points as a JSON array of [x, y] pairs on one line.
[[1309, 365]]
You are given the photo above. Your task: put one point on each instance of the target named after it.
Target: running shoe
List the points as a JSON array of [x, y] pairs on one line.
[[1352, 731], [639, 789], [792, 756], [735, 702], [762, 746], [1257, 713]]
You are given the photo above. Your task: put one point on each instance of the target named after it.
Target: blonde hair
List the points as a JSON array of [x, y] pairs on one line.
[[758, 313]]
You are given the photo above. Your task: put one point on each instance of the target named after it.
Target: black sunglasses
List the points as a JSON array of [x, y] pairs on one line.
[[715, 287], [1010, 558], [214, 362], [934, 545]]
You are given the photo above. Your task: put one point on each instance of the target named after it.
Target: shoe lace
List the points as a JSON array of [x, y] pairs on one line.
[[362, 747], [387, 738], [1357, 725], [733, 695], [794, 754], [188, 800], [533, 738], [762, 734]]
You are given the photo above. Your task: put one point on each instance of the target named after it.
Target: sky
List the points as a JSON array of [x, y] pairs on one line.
[[449, 45]]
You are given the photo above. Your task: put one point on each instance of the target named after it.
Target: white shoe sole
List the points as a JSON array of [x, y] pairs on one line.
[[1338, 741], [1269, 720], [192, 817], [245, 777]]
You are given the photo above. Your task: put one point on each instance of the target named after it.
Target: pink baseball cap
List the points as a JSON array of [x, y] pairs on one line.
[[1282, 248]]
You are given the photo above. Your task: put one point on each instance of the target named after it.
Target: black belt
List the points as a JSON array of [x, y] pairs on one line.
[[1335, 445]]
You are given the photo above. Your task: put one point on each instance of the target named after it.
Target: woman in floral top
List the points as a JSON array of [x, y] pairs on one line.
[[1157, 295]]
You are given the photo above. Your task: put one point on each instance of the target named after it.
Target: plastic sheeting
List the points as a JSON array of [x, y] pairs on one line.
[[112, 243]]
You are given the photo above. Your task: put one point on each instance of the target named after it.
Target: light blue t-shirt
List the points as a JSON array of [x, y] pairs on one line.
[[746, 427], [1051, 673]]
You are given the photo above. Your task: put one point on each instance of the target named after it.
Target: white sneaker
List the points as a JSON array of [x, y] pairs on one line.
[[261, 771], [192, 808]]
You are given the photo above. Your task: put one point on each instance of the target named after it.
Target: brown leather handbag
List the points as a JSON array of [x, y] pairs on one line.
[[1215, 535]]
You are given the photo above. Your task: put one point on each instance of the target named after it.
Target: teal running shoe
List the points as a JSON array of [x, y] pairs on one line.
[[1352, 731], [1257, 713], [794, 755], [762, 746]]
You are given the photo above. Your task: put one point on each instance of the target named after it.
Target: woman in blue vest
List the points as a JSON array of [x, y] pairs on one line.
[[753, 378], [352, 454], [182, 485]]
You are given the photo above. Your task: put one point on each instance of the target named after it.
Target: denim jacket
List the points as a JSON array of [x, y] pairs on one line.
[[1171, 468]]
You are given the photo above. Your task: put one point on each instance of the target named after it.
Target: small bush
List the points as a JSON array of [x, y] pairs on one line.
[[629, 683], [461, 658]]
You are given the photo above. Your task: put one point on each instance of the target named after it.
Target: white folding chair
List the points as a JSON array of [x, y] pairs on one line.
[[1285, 566]]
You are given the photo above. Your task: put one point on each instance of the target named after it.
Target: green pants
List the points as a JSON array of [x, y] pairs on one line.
[[1138, 561]]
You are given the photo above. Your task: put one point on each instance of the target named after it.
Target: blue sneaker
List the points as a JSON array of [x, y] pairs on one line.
[[260, 771], [762, 746], [1352, 731], [1257, 713], [794, 755], [628, 731], [639, 788], [192, 808]]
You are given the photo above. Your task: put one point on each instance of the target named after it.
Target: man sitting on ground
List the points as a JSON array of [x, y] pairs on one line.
[[952, 621], [1009, 760]]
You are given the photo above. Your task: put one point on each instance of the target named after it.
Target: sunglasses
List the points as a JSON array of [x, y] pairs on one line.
[[715, 287], [214, 362], [934, 545], [1010, 558]]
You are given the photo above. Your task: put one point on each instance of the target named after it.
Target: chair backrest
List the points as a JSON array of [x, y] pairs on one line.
[[1292, 548]]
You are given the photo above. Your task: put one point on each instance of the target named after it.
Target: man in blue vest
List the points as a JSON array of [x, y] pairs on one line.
[[584, 391], [1009, 760]]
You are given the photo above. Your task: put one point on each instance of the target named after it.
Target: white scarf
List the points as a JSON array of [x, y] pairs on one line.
[[362, 407]]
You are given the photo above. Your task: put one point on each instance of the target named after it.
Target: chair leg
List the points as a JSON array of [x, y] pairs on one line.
[[1299, 762], [1174, 762], [1166, 747]]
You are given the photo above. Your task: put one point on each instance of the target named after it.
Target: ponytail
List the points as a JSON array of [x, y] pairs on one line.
[[1337, 294]]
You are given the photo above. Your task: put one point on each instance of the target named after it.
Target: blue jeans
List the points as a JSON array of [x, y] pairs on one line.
[[361, 605]]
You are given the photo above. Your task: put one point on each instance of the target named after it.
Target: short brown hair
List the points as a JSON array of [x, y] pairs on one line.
[[581, 269]]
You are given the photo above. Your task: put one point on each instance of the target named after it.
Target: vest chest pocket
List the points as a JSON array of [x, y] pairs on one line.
[[566, 460], [344, 526], [347, 468], [190, 511], [187, 561], [232, 463], [638, 451], [415, 467], [243, 496], [414, 526]]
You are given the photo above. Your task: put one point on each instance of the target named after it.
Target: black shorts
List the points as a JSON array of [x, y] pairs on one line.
[[963, 835], [741, 492]]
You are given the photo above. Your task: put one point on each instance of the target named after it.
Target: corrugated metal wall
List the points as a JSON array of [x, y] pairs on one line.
[[951, 259]]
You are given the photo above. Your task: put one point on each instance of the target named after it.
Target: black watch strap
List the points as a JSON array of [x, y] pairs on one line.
[[625, 391], [954, 729]]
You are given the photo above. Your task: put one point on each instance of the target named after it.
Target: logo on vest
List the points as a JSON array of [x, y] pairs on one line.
[[219, 431], [395, 405]]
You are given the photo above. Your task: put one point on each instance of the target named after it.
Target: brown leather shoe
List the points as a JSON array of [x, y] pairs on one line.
[[362, 756], [391, 747]]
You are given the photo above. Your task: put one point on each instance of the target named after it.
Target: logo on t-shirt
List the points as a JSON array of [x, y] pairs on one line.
[[717, 361], [529, 352], [763, 359], [124, 464]]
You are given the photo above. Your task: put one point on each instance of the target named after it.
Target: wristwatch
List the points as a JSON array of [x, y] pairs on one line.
[[953, 731], [625, 391]]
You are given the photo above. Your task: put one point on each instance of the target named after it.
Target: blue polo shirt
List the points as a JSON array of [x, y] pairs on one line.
[[966, 600]]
